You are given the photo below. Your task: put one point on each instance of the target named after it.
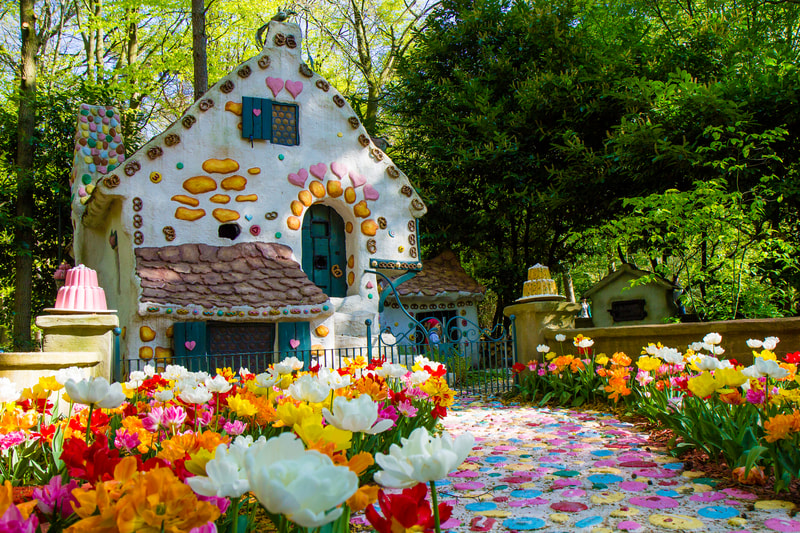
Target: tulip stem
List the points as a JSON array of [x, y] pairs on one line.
[[235, 515], [89, 422], [435, 504]]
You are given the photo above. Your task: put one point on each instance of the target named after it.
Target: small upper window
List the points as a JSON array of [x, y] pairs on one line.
[[263, 119]]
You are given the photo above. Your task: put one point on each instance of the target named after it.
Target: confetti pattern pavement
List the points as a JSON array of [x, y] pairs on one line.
[[564, 470]]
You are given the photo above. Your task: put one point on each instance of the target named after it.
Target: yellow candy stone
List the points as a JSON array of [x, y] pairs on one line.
[[559, 518], [692, 474], [624, 512], [775, 504], [607, 497], [675, 521]]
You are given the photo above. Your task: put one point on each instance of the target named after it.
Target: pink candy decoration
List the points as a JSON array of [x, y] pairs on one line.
[[294, 87], [275, 85], [81, 291]]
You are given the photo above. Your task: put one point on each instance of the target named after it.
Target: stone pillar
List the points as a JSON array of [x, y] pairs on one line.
[[81, 333], [532, 318]]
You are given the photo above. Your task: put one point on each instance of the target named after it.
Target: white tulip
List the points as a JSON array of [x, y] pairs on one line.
[[769, 368], [543, 348], [267, 379], [288, 365], [308, 388], [696, 346], [332, 379], [303, 485], [8, 391], [422, 458], [708, 363], [74, 373], [712, 338], [770, 343], [357, 415], [754, 343], [585, 343], [96, 392], [218, 384], [226, 475], [197, 395], [163, 396], [419, 377], [751, 372], [669, 355], [561, 337], [392, 370], [174, 372], [149, 370]]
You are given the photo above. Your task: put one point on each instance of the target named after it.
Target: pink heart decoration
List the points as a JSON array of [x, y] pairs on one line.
[[339, 169], [318, 170], [357, 180], [275, 85], [257, 112], [190, 345], [294, 343], [300, 178], [370, 193], [294, 87]]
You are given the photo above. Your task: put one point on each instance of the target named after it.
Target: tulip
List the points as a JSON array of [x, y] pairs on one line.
[[358, 415], [561, 337], [288, 365], [708, 363], [392, 370], [543, 348], [770, 343], [422, 458], [712, 338], [267, 379], [770, 368], [754, 343], [303, 485], [218, 384], [163, 396], [95, 392], [309, 389], [669, 355], [8, 391], [226, 476], [196, 395], [703, 385], [333, 379]]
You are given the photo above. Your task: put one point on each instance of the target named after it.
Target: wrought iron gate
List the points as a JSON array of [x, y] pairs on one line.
[[478, 360]]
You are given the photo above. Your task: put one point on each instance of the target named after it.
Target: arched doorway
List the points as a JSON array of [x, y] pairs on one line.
[[324, 250]]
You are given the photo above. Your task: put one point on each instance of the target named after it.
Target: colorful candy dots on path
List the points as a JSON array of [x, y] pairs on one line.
[[526, 523], [607, 497], [718, 512], [654, 502], [784, 525], [569, 507], [624, 512], [676, 522], [559, 518], [774, 504], [629, 525]]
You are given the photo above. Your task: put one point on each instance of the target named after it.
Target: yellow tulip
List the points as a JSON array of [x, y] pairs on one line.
[[310, 430], [703, 385], [729, 377]]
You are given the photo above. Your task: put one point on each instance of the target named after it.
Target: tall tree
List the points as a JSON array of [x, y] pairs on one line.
[[371, 35], [199, 55], [26, 129]]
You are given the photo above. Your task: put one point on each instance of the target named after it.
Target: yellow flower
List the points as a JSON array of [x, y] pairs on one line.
[[310, 430], [601, 359], [241, 406], [356, 362], [440, 393], [289, 414], [703, 385], [648, 364], [49, 383], [199, 459], [790, 395], [729, 377], [767, 355]]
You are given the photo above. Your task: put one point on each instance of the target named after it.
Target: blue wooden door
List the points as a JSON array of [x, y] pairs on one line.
[[324, 251]]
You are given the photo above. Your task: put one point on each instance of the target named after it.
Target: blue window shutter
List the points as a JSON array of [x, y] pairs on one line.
[[187, 335], [247, 120], [298, 331]]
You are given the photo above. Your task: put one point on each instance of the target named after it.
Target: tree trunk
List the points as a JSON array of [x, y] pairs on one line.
[[26, 124], [569, 288], [199, 55]]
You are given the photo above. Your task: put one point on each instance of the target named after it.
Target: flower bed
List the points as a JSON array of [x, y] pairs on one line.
[[746, 416], [181, 451]]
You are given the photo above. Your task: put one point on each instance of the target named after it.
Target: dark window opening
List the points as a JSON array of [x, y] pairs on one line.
[[229, 231]]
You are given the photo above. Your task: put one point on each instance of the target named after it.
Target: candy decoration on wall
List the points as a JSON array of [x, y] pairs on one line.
[[275, 85]]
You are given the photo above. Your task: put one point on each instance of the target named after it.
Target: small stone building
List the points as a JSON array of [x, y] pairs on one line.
[[616, 303]]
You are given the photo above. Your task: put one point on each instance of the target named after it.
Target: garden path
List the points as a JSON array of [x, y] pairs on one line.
[[565, 470]]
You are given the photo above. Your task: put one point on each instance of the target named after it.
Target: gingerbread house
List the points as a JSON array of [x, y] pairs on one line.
[[250, 224]]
